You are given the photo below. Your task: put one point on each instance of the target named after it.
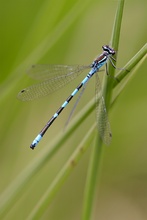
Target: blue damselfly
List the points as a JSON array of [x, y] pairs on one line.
[[56, 76]]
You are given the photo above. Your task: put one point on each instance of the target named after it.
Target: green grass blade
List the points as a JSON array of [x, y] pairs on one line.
[[97, 155]]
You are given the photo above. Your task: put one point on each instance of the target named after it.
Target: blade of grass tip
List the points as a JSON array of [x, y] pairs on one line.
[[44, 202], [98, 150]]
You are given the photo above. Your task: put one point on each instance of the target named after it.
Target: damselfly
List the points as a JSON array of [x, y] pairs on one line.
[[56, 76]]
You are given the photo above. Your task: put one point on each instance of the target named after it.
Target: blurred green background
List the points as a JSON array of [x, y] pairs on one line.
[[72, 32]]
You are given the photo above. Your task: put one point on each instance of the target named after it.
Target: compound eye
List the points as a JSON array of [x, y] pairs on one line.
[[111, 51], [105, 47], [108, 49]]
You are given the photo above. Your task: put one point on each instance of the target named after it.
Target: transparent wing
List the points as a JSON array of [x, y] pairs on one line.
[[54, 76], [101, 115], [50, 71]]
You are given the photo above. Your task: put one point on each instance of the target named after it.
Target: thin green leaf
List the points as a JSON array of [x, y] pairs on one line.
[[97, 155]]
